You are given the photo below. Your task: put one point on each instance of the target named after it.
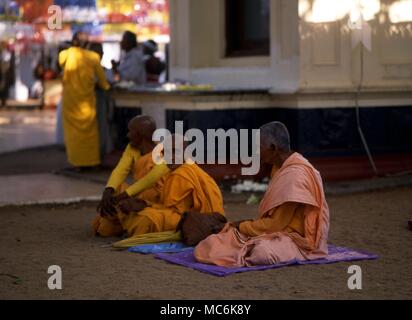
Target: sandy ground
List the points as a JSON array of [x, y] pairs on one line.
[[33, 238]]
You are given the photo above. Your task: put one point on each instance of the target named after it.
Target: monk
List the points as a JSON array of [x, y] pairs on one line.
[[186, 188], [293, 220], [81, 69], [136, 159]]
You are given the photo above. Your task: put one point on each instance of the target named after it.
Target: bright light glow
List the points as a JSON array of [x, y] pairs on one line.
[[111, 52], [4, 120], [304, 7], [369, 8], [328, 10], [333, 10], [400, 11]]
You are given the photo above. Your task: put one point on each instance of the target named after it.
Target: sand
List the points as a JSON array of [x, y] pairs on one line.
[[33, 238]]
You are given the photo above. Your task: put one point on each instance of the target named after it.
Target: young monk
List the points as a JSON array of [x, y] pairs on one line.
[[136, 159], [293, 220], [186, 188]]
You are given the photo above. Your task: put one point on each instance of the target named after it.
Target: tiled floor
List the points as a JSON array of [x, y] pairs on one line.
[[26, 129]]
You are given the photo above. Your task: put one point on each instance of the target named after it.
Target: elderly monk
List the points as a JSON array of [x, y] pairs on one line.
[[293, 220], [136, 159], [186, 188]]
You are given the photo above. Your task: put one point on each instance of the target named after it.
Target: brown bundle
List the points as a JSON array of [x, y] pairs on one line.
[[196, 226]]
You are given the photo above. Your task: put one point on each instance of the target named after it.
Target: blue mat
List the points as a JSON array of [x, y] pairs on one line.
[[164, 247]]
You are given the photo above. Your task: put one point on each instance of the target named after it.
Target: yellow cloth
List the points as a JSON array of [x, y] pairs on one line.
[[81, 70], [147, 187], [287, 217], [129, 162], [154, 237], [188, 188]]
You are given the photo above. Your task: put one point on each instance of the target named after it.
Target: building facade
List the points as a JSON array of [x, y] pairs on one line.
[[334, 70]]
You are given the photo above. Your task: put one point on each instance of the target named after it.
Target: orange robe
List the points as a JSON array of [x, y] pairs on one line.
[[110, 226], [296, 192], [188, 188], [288, 217]]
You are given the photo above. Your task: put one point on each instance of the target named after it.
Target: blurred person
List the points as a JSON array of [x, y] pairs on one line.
[[37, 89], [154, 66], [59, 122], [131, 67], [7, 74], [104, 109], [81, 69]]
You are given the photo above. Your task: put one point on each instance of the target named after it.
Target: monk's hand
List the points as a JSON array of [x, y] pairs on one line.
[[119, 198], [132, 205], [106, 205]]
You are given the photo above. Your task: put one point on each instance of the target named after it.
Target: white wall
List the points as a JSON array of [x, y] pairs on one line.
[[304, 56]]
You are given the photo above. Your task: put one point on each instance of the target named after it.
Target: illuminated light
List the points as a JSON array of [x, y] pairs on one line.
[[328, 10], [333, 10], [137, 7], [4, 120], [304, 7], [355, 15], [369, 8], [400, 11]]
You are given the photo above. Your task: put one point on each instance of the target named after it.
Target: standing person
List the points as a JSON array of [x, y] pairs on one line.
[[132, 66], [154, 66], [7, 74], [104, 108], [81, 68]]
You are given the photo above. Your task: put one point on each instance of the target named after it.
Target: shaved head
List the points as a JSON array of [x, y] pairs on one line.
[[277, 134], [145, 125], [140, 133]]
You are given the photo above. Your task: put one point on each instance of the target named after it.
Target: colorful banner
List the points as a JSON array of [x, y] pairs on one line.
[[104, 20]]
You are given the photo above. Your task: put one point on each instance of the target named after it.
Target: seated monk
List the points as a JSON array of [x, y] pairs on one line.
[[293, 220], [187, 188], [136, 159]]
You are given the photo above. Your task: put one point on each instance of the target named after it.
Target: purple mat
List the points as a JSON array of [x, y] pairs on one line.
[[336, 254]]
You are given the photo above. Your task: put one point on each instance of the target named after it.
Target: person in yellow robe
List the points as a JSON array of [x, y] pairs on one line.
[[81, 69], [136, 160], [187, 188]]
